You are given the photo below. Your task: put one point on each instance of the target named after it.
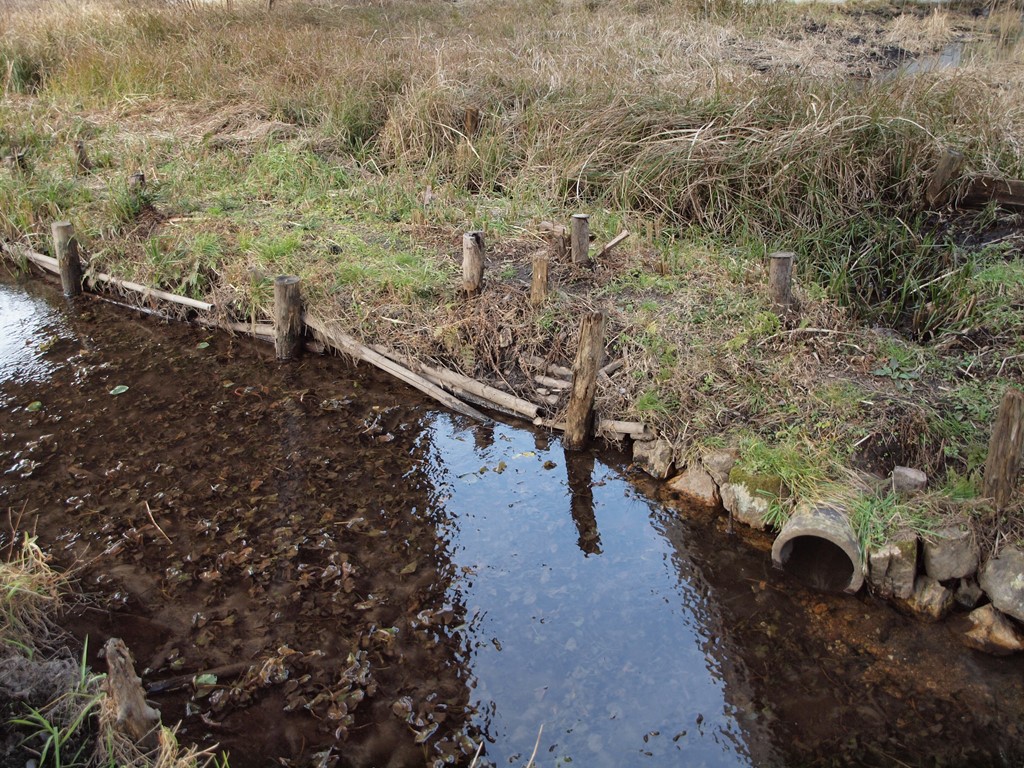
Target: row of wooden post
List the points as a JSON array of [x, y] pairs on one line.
[[1005, 447]]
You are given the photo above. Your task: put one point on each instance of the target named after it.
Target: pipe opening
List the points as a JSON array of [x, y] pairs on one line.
[[818, 563]]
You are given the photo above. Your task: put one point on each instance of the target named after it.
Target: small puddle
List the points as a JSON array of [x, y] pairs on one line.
[[406, 585]]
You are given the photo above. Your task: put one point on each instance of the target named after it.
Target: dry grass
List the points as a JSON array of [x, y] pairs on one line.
[[32, 594]]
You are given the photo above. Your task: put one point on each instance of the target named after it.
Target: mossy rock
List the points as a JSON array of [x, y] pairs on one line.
[[763, 484]]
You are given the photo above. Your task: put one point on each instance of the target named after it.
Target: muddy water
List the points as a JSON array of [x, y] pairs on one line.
[[375, 582]]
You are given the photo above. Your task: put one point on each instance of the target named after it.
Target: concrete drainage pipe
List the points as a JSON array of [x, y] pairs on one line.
[[818, 547]]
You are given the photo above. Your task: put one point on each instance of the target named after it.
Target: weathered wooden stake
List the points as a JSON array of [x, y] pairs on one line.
[[580, 238], [1004, 449], [65, 248], [287, 316], [936, 194], [131, 714], [780, 279], [579, 419], [539, 285], [472, 121], [17, 161], [137, 182], [82, 157], [472, 262]]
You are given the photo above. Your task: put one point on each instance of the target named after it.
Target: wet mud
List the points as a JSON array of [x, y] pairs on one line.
[[361, 579]]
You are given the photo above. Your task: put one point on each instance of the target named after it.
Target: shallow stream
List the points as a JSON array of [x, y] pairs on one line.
[[377, 582]]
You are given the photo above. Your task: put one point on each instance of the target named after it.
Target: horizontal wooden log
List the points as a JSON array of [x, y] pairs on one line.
[[982, 190], [334, 337], [50, 263], [561, 371], [262, 331], [461, 385], [633, 429], [552, 383]]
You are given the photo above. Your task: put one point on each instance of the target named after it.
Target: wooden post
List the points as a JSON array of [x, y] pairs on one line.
[[287, 316], [539, 286], [82, 157], [472, 121], [128, 709], [137, 183], [936, 194], [17, 160], [580, 238], [579, 419], [1004, 449], [472, 262], [780, 279], [65, 248]]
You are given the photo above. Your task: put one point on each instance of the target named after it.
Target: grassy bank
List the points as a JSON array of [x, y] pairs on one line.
[[331, 141]]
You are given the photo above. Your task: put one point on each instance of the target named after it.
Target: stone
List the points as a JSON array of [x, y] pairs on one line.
[[931, 601], [719, 464], [1002, 578], [992, 633], [892, 567], [747, 495], [950, 554], [906, 480], [654, 457], [696, 487], [743, 506], [967, 593]]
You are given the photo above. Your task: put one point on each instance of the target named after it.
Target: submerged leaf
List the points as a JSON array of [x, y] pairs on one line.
[[120, 389]]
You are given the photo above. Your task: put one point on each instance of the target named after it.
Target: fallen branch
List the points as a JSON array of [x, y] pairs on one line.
[[560, 371], [183, 681], [551, 383], [606, 249], [341, 341], [611, 368], [259, 330], [633, 429]]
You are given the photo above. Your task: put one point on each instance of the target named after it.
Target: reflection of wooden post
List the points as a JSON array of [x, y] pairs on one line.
[[65, 248], [580, 417], [472, 262], [287, 316], [936, 194], [780, 279], [539, 286], [580, 238], [579, 469], [1004, 449]]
